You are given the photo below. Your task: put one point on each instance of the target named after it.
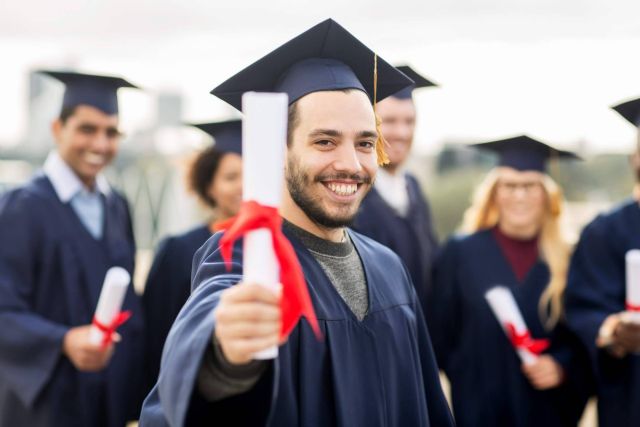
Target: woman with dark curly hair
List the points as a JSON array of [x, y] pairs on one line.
[[216, 178]]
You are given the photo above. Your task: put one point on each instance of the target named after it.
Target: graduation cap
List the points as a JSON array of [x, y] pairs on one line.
[[88, 89], [630, 110], [419, 82], [324, 58], [524, 153], [227, 135]]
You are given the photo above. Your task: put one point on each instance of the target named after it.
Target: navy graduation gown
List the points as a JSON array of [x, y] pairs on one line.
[[51, 274], [488, 387], [168, 287], [380, 371], [596, 289], [411, 237]]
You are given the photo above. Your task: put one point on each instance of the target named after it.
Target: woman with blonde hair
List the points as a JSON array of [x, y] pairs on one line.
[[512, 238]]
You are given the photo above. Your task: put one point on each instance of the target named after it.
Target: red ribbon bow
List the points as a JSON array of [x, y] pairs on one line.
[[524, 340], [110, 329], [295, 301], [631, 307]]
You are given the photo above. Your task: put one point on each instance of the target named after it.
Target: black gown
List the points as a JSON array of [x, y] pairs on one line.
[[51, 274], [376, 372], [487, 384], [168, 288]]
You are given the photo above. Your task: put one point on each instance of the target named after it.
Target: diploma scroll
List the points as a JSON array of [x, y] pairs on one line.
[[108, 315], [506, 310], [264, 136]]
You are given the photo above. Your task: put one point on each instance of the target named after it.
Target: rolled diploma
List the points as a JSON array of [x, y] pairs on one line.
[[264, 137], [112, 296], [506, 310], [633, 285]]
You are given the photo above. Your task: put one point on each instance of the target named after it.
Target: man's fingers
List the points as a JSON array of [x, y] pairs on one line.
[[250, 346], [250, 292], [248, 330], [247, 312]]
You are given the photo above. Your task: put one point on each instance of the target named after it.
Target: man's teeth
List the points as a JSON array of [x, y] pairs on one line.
[[95, 159], [343, 189]]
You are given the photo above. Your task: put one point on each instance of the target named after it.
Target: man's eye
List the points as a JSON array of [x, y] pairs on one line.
[[113, 133], [324, 142], [366, 144], [87, 130]]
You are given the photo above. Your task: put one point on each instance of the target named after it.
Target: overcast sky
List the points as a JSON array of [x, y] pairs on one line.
[[547, 68]]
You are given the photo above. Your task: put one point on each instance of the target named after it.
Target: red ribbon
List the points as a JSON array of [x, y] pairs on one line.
[[631, 307], [524, 340], [295, 301], [110, 329]]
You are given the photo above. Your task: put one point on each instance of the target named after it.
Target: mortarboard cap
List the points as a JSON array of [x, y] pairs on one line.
[[227, 135], [324, 58], [630, 110], [524, 153], [88, 89], [419, 82]]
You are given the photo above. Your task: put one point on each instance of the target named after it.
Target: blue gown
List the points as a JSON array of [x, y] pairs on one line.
[[51, 274], [487, 385], [380, 371], [411, 237], [595, 290], [168, 287]]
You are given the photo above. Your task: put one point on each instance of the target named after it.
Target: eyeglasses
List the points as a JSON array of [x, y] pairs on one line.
[[511, 188]]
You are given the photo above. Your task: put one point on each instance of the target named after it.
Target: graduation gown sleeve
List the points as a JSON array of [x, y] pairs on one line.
[[30, 345], [175, 400]]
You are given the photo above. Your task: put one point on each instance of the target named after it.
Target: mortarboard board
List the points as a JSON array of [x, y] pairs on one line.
[[323, 58], [524, 153], [88, 89], [630, 110], [419, 82], [227, 135]]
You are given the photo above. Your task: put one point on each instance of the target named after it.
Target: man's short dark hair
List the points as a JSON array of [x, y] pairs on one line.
[[66, 113]]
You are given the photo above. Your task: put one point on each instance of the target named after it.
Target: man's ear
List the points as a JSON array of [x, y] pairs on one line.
[[56, 130]]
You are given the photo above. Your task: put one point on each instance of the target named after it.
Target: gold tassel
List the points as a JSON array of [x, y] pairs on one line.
[[381, 143]]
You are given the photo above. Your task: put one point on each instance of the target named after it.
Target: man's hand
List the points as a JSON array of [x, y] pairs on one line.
[[84, 355], [545, 373], [247, 321], [619, 335]]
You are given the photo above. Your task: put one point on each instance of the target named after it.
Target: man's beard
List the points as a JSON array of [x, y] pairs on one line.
[[299, 183]]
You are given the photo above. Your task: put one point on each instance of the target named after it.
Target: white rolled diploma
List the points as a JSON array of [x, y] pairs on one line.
[[264, 138], [112, 296], [632, 259], [506, 310]]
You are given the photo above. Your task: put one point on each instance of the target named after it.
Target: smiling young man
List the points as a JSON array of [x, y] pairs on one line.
[[61, 232], [396, 212], [374, 365]]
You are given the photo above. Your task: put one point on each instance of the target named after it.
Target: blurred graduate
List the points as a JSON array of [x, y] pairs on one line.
[[513, 239], [374, 365], [215, 176], [595, 301], [61, 232], [396, 212]]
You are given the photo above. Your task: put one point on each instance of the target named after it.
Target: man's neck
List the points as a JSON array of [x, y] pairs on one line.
[[305, 223]]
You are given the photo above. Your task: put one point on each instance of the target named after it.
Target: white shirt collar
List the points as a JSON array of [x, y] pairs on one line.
[[64, 180], [393, 190]]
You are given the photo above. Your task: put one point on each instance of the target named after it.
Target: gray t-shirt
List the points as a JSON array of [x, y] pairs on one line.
[[219, 379]]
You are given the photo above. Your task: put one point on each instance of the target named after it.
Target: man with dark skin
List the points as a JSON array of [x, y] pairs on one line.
[[61, 232]]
